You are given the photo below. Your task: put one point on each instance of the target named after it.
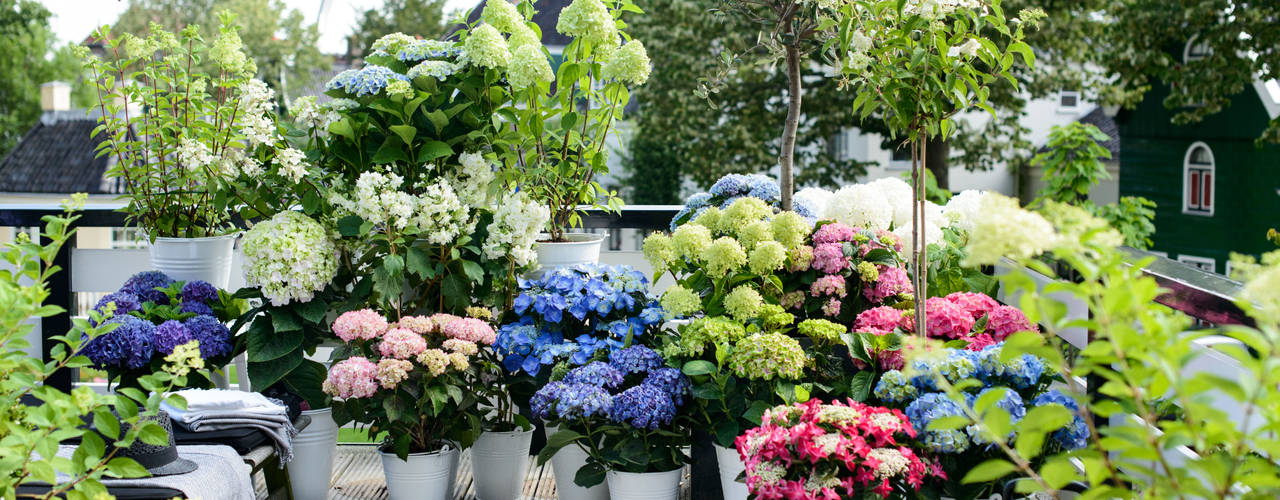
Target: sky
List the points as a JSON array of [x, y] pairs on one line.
[[73, 20]]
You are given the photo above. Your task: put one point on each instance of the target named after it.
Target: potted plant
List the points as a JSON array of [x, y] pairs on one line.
[[409, 379], [173, 132], [556, 146], [625, 413], [501, 452]]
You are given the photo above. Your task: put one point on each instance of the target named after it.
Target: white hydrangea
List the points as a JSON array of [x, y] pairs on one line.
[[258, 129], [471, 182], [194, 154], [379, 200], [898, 194], [291, 164], [937, 9], [440, 215], [256, 97], [961, 211], [1006, 229], [859, 205], [307, 112], [815, 198], [290, 257], [514, 230]]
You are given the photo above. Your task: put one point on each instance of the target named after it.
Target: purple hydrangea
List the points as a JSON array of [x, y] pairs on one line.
[[730, 185], [171, 334], [570, 401], [671, 381], [214, 336], [146, 286], [597, 373], [635, 359], [1076, 434], [643, 406], [125, 303], [199, 291], [543, 402], [197, 308], [129, 345]]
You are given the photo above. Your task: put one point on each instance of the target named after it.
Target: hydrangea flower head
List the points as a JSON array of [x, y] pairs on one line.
[[800, 258], [1010, 402], [766, 356], [754, 233], [890, 281], [574, 401], [629, 64], [977, 304], [743, 302], [199, 291], [353, 377], [790, 229], [588, 20], [670, 381], [129, 345], [463, 347], [947, 320], [393, 371], [741, 212], [125, 303], [829, 258], [834, 232], [1006, 229], [644, 406], [660, 251], [1076, 434], [290, 257], [503, 15], [894, 388], [485, 47], [369, 80], [436, 361], [821, 330], [169, 335], [722, 256], [635, 359], [363, 324], [691, 240], [679, 301], [214, 337], [828, 285], [401, 343], [1003, 321], [859, 205], [597, 373], [469, 329], [930, 407], [707, 332], [529, 67], [146, 286]]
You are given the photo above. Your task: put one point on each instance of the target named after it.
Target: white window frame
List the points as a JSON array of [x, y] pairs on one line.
[[1213, 182], [1069, 109], [1199, 262], [1187, 56]]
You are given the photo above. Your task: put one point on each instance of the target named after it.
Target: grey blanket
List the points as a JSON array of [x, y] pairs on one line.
[[222, 474], [276, 427]]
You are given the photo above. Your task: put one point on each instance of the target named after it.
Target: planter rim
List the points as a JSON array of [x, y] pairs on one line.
[[449, 447], [677, 469], [235, 234], [574, 238], [515, 432]]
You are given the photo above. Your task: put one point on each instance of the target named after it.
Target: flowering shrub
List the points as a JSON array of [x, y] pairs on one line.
[[813, 450], [728, 189], [846, 271], [290, 257], [570, 313], [415, 378], [623, 412], [150, 316]]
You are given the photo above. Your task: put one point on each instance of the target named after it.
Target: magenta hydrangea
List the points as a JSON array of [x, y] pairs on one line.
[[978, 304], [878, 320], [892, 282], [352, 378], [362, 324], [1004, 321], [471, 330], [829, 258], [401, 343], [833, 233], [831, 284], [946, 319]]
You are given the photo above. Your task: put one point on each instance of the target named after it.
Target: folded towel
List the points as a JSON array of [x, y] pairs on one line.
[[282, 436], [219, 409]]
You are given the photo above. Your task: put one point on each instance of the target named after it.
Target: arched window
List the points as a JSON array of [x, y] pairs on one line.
[[1195, 49], [1197, 180]]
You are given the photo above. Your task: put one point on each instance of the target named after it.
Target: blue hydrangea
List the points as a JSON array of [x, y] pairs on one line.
[[214, 337], [125, 303], [130, 345], [570, 401], [959, 364], [763, 187], [1076, 434], [1024, 371], [199, 291], [697, 200], [197, 308], [171, 334], [419, 50], [671, 382], [729, 201], [597, 373], [804, 209], [730, 185], [922, 375], [636, 359], [946, 441], [543, 402], [369, 80], [930, 407], [1011, 403], [146, 286], [894, 388], [644, 407], [990, 369]]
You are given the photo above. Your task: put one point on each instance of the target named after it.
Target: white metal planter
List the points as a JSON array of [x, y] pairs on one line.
[[500, 461], [565, 463], [421, 476], [187, 259], [582, 248], [730, 467], [645, 485], [313, 450]]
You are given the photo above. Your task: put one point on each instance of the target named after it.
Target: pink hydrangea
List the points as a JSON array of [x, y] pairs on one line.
[[830, 284], [978, 342], [908, 321], [363, 324], [878, 320], [352, 378], [1004, 321], [832, 307], [401, 343], [470, 329], [892, 282], [800, 259], [393, 371], [978, 304], [946, 320], [420, 325], [833, 233], [891, 360], [891, 239], [829, 258], [438, 321]]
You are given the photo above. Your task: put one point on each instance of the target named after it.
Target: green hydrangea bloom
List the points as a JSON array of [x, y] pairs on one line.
[[722, 256], [709, 218], [522, 36], [753, 233], [707, 332], [742, 212], [529, 67], [679, 301], [768, 256], [660, 251], [821, 330], [790, 229], [392, 43], [775, 317], [588, 20], [502, 15], [868, 272], [399, 88], [766, 356], [628, 64], [743, 303], [691, 240], [485, 47]]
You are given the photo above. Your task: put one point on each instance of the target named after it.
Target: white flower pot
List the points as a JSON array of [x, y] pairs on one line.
[[187, 259], [730, 466], [582, 248], [421, 476], [500, 461], [645, 485], [565, 463], [313, 451]]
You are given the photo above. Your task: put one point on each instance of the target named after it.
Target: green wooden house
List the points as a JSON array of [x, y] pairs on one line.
[[1216, 191]]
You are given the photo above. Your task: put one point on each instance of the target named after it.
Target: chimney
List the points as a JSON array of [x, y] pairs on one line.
[[55, 96]]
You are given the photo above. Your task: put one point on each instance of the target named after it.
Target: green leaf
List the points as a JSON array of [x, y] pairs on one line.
[[313, 310], [283, 320], [405, 132], [124, 467], [860, 386], [709, 391], [698, 367], [589, 475], [473, 270], [342, 128], [456, 291], [391, 151], [417, 262], [106, 424], [395, 408], [152, 433], [266, 374], [432, 150], [265, 344], [350, 225], [988, 471]]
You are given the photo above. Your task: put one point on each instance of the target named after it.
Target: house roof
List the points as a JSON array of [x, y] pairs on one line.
[[1107, 125], [546, 15], [57, 156]]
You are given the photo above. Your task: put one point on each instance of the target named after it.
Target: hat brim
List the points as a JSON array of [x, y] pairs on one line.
[[176, 467]]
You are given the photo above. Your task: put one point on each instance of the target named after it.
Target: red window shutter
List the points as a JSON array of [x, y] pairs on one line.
[[1208, 190], [1195, 188]]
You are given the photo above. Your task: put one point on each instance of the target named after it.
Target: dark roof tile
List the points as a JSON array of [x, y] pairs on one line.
[[56, 156]]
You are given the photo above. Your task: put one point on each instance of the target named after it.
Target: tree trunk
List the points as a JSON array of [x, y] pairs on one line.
[[936, 161], [787, 157]]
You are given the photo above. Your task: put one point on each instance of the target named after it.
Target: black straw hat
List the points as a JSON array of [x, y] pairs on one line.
[[162, 460]]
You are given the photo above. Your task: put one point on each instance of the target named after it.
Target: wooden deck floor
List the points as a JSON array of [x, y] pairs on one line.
[[357, 475]]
